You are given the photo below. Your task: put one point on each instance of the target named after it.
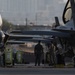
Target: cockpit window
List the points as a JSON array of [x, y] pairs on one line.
[[67, 14]]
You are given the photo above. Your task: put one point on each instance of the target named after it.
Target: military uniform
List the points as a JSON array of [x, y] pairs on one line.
[[38, 50]]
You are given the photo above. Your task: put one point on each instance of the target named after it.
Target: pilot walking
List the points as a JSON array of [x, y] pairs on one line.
[[38, 51]]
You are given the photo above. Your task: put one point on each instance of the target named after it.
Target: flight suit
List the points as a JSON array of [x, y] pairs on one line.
[[38, 50]]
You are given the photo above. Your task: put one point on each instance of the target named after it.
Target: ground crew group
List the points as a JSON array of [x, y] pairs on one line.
[[53, 56], [50, 56]]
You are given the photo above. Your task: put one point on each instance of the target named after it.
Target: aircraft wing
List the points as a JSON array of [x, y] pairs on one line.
[[22, 41], [48, 33], [17, 37], [15, 42], [65, 31], [23, 37]]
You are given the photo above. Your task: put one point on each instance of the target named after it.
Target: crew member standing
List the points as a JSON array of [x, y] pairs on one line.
[[38, 51]]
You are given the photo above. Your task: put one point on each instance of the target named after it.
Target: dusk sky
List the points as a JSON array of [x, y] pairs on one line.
[[37, 11]]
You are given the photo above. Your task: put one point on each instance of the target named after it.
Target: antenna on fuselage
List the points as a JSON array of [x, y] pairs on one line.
[[73, 10]]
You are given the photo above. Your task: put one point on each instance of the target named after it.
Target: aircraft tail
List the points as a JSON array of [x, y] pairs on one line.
[[57, 22]]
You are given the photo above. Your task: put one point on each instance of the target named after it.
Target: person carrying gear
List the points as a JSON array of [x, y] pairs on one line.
[[38, 51], [51, 52]]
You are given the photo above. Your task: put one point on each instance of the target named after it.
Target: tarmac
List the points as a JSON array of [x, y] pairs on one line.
[[32, 65], [30, 69]]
